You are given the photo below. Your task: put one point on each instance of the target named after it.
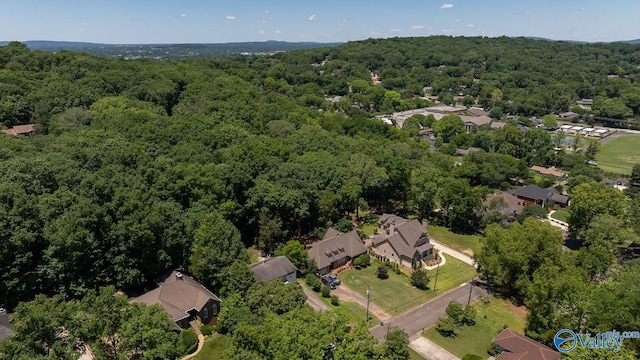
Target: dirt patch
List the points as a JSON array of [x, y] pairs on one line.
[[468, 252], [521, 311]]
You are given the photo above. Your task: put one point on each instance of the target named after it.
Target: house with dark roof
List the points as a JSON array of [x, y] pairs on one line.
[[5, 326], [278, 267], [336, 249], [534, 194], [559, 199], [513, 346], [402, 241], [184, 298]]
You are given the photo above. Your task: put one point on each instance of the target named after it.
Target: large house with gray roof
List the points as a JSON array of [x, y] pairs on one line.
[[184, 298], [402, 241], [278, 267], [336, 249]]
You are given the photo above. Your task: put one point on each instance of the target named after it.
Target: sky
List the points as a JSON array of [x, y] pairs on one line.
[[215, 21]]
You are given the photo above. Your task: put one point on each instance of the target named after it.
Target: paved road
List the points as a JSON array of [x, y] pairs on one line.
[[314, 300], [427, 314], [345, 293]]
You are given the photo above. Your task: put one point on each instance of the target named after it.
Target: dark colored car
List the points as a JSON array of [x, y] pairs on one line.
[[327, 280]]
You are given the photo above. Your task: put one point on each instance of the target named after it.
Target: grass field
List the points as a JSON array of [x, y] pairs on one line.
[[369, 229], [561, 214], [620, 154], [215, 347], [455, 241], [490, 320], [396, 294]]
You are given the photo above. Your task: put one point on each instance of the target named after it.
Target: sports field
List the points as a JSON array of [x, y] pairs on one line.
[[620, 154]]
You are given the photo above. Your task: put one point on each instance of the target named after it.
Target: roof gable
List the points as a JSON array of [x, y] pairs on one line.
[[533, 192], [405, 237], [177, 293], [523, 348], [273, 268], [336, 247]]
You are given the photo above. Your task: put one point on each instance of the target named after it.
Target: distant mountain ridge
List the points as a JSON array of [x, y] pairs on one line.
[[632, 42], [174, 51]]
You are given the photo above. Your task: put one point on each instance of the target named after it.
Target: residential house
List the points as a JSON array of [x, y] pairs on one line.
[[5, 325], [471, 122], [184, 298], [26, 130], [513, 346], [559, 199], [513, 205], [568, 115], [336, 249], [585, 102], [402, 241], [619, 183], [497, 125], [278, 267], [533, 194], [552, 171], [463, 152]]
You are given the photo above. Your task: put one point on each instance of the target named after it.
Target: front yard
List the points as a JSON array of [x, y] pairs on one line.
[[459, 242], [490, 321], [396, 294], [561, 214], [215, 347]]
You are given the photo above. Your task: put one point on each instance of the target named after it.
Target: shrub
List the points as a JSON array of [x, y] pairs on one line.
[[446, 327], [334, 300], [188, 341], [365, 259], [325, 291], [371, 218], [398, 271], [357, 261], [206, 330], [383, 273], [420, 279], [313, 282]]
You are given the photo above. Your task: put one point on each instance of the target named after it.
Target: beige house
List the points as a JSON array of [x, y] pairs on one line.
[[336, 249], [184, 298], [402, 241]]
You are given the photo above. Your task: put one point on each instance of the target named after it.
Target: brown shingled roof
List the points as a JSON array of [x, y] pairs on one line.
[[177, 293], [336, 245], [520, 347]]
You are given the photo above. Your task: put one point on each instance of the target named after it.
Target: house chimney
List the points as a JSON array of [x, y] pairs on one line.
[[179, 275]]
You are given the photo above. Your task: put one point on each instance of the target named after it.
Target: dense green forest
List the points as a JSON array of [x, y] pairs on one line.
[[138, 167]]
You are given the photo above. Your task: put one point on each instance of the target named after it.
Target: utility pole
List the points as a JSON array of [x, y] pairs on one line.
[[435, 283], [368, 293], [470, 289]]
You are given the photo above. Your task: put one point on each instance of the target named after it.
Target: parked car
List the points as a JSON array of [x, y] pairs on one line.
[[335, 278], [327, 280]]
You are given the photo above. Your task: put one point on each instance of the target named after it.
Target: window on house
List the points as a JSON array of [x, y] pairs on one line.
[[205, 313]]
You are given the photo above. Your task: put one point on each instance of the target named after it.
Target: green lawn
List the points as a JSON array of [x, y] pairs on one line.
[[369, 229], [455, 241], [396, 295], [620, 154], [215, 347], [476, 339], [414, 355], [354, 313], [561, 214]]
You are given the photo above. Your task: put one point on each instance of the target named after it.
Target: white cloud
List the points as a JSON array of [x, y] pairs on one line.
[[395, 30], [278, 32], [81, 30], [470, 26], [230, 17], [417, 27], [312, 17], [260, 32], [457, 21], [183, 15], [266, 11], [263, 22], [446, 6], [447, 31]]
